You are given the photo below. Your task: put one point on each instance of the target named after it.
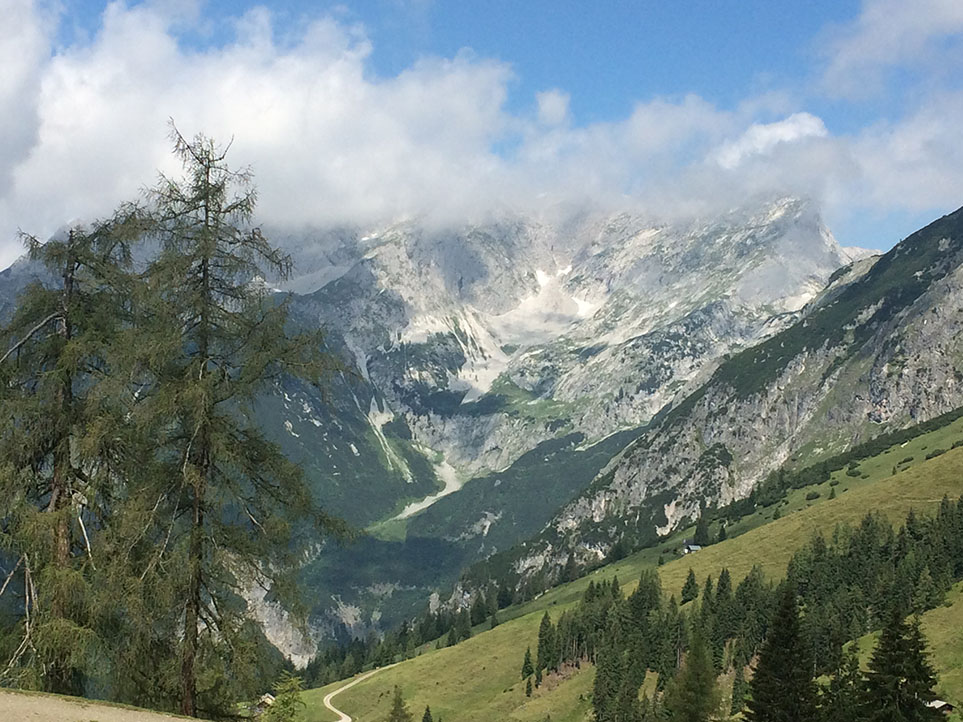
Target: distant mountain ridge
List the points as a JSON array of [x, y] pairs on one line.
[[880, 349], [516, 357]]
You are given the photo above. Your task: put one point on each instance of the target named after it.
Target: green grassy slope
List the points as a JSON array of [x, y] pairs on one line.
[[479, 679]]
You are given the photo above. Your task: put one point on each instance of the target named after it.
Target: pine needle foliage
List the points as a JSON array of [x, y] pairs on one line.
[[782, 687], [900, 678], [62, 447], [399, 709], [228, 517]]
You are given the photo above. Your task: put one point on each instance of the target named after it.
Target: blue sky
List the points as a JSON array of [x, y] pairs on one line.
[[363, 111]]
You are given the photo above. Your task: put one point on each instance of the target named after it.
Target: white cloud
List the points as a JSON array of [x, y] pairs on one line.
[[330, 142], [917, 163], [552, 106], [890, 34], [21, 55], [762, 138]]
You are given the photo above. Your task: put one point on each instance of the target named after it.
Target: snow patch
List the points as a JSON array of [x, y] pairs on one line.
[[452, 481]]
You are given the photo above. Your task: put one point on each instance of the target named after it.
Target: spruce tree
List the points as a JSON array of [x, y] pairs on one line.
[[609, 673], [701, 536], [399, 710], [288, 704], [690, 589], [739, 690], [232, 512], [841, 699], [693, 695], [782, 688], [426, 717], [547, 652], [570, 571], [900, 679], [463, 625], [527, 669]]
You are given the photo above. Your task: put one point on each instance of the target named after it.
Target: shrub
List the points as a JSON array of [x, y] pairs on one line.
[[812, 495]]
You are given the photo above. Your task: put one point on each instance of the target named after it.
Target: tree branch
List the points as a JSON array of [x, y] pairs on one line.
[[21, 342]]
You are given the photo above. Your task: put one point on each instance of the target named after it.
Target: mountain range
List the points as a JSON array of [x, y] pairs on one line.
[[543, 386]]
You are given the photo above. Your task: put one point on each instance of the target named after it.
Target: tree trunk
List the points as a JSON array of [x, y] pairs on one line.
[[193, 608], [201, 465]]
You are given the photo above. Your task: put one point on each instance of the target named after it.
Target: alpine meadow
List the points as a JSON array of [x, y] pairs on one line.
[[421, 360]]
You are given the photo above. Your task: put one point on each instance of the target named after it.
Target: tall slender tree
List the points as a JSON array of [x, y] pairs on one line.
[[841, 699], [900, 679], [693, 695], [236, 513], [690, 590], [399, 709], [782, 688]]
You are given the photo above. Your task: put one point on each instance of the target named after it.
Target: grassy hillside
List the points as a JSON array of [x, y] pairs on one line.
[[479, 679]]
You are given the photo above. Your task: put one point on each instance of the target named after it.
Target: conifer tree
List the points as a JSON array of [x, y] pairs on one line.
[[426, 717], [463, 625], [690, 589], [627, 706], [701, 536], [841, 699], [782, 688], [739, 690], [288, 704], [232, 511], [63, 445], [570, 571], [547, 653], [399, 709], [527, 669], [693, 695], [900, 679], [609, 673]]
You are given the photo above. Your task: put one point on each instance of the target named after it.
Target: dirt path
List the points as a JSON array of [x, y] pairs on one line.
[[17, 707], [342, 717]]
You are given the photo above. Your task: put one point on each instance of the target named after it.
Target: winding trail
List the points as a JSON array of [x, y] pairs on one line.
[[342, 717]]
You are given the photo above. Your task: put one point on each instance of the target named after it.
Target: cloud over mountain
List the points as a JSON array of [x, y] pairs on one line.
[[331, 141]]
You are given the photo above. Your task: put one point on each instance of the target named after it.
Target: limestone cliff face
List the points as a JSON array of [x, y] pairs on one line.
[[881, 349], [489, 340]]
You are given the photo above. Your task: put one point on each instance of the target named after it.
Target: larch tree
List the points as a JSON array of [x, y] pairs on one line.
[[232, 513], [62, 446]]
